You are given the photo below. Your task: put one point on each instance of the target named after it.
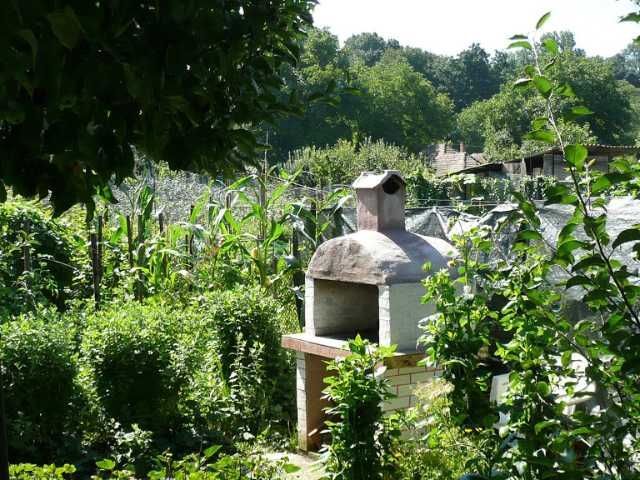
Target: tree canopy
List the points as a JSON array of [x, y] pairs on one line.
[[85, 85]]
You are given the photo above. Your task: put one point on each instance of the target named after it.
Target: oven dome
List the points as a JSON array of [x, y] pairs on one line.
[[379, 258]]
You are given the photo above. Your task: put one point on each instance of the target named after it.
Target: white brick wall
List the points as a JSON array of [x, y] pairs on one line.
[[403, 382], [401, 310]]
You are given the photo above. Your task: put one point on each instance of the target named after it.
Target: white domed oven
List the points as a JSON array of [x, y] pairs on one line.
[[366, 283]]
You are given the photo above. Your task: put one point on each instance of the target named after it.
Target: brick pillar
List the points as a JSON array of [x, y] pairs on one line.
[[310, 373]]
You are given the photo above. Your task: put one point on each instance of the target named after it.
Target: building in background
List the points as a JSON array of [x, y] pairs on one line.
[[548, 163]]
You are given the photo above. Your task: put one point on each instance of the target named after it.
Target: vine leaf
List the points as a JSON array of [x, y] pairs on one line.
[[521, 44], [575, 155], [543, 85], [543, 20], [551, 46], [608, 180], [542, 135], [626, 236]]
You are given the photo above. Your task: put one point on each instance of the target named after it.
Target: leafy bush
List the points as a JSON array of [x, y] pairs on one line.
[[38, 371], [238, 333], [342, 163], [29, 471], [436, 447], [211, 464], [130, 351], [51, 248], [361, 440]]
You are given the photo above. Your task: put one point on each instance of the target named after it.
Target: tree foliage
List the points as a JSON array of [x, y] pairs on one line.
[[570, 409], [86, 84]]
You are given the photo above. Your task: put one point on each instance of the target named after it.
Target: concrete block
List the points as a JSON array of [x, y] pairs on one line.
[[405, 312], [421, 377], [406, 370], [384, 316], [391, 372], [308, 306], [396, 404], [300, 378], [406, 390], [399, 380]]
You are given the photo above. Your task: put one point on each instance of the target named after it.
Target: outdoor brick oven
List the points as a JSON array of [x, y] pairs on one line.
[[366, 283]]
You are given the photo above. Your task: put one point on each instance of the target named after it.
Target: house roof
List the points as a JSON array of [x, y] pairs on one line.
[[593, 149]]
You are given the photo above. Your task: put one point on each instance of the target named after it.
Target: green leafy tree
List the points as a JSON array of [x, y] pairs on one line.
[[399, 105], [513, 308], [367, 48], [626, 64], [86, 84], [470, 77]]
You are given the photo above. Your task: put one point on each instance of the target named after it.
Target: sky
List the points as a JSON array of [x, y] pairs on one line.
[[448, 26]]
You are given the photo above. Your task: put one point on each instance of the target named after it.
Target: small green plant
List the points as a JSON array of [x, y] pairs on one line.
[[436, 446], [210, 464], [361, 439], [237, 334], [29, 471]]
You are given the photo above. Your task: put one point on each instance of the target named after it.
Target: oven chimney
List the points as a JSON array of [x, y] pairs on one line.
[[380, 201]]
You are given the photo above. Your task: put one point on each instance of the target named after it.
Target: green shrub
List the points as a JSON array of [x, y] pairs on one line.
[[342, 163], [435, 446], [29, 471], [238, 333], [131, 354], [38, 360], [361, 439], [51, 246]]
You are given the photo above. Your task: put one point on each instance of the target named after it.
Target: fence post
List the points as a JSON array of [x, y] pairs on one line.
[[337, 220], [161, 222], [130, 241], [95, 269], [26, 257], [140, 259], [298, 278], [100, 246], [4, 448], [190, 237]]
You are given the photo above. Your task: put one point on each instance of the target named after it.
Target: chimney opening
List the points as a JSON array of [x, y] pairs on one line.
[[391, 186]]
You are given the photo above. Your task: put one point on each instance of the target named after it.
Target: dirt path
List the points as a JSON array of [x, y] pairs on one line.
[[310, 468]]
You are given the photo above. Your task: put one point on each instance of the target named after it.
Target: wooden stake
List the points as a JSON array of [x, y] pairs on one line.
[[130, 241], [100, 243], [95, 270], [26, 257], [4, 448]]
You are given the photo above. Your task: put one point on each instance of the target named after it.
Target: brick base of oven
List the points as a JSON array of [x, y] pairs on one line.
[[403, 375]]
